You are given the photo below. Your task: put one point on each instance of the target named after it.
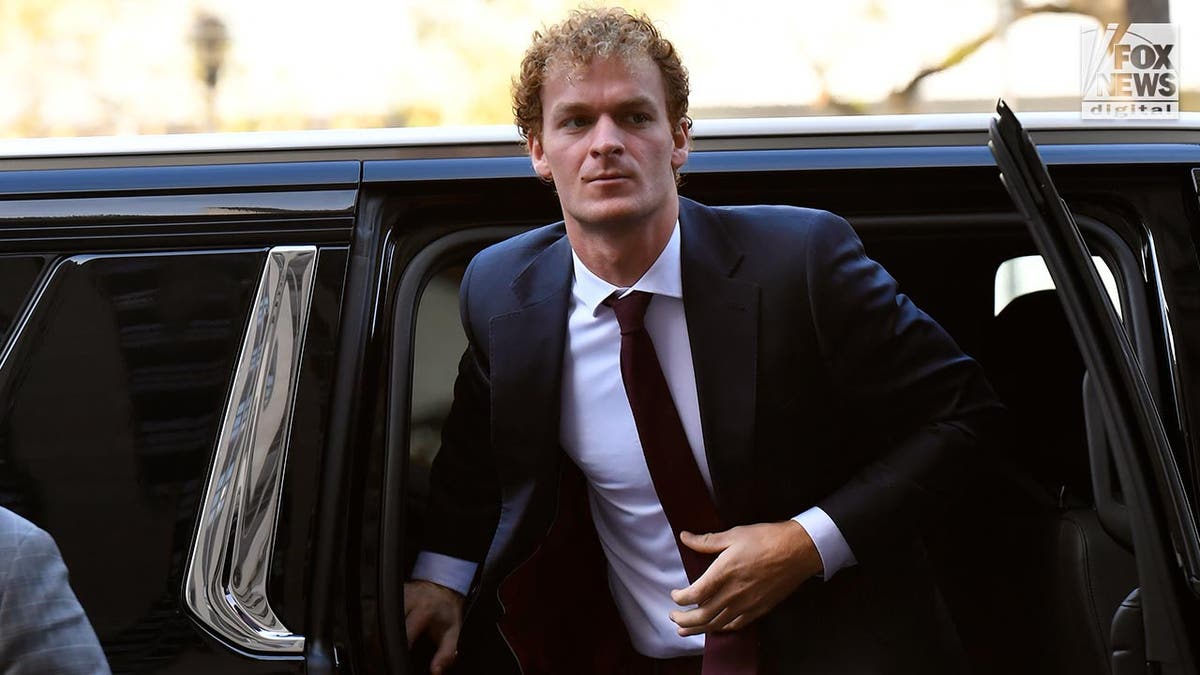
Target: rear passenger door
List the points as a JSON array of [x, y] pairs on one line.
[[1155, 630], [168, 340]]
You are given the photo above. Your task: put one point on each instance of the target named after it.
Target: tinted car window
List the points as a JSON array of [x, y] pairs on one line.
[[124, 368]]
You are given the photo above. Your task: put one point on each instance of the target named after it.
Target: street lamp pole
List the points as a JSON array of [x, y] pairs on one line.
[[210, 39]]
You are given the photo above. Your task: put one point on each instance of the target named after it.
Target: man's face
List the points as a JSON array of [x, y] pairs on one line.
[[608, 145]]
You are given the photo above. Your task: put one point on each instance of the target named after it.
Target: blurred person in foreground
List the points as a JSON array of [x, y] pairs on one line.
[[43, 629], [684, 439]]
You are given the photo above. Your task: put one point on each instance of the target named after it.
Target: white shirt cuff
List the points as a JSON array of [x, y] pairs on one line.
[[831, 545], [453, 573]]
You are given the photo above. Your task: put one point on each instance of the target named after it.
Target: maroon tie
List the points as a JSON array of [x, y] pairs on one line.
[[677, 480]]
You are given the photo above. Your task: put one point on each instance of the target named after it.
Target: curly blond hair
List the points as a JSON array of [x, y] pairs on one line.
[[588, 34]]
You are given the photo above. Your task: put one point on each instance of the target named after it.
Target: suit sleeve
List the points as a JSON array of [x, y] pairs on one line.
[[464, 493], [902, 373], [43, 627]]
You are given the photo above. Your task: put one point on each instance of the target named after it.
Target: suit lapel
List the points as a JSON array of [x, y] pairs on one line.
[[527, 355], [722, 317]]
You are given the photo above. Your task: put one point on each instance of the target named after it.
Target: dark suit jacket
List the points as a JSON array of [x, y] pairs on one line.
[[819, 384]]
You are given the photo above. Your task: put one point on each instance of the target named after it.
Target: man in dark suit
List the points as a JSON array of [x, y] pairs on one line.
[[762, 422]]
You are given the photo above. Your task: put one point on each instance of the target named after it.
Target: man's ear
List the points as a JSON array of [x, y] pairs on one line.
[[538, 157], [681, 138]]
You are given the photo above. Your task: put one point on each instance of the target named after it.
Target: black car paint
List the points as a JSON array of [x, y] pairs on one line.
[[176, 247]]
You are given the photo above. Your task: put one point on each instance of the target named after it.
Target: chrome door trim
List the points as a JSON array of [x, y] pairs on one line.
[[225, 586], [1168, 329], [29, 311]]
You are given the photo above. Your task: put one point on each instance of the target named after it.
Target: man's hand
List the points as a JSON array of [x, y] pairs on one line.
[[436, 612], [757, 567]]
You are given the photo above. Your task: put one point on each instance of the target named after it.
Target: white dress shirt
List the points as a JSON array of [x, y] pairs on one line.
[[599, 434]]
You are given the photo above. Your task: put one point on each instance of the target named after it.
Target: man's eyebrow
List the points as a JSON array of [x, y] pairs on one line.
[[573, 107], [637, 102], [569, 108]]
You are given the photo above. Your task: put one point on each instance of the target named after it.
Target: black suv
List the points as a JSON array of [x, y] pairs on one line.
[[226, 360]]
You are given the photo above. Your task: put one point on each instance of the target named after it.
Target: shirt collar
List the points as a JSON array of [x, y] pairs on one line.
[[663, 278]]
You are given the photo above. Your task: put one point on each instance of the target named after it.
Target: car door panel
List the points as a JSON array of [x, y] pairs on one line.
[[129, 294], [1163, 525]]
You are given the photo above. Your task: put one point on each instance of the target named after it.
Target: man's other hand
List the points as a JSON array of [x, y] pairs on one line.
[[436, 612], [757, 566]]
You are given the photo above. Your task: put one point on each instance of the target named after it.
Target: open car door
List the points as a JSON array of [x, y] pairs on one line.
[[1156, 629]]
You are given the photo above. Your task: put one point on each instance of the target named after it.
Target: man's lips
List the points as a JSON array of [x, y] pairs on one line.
[[606, 178]]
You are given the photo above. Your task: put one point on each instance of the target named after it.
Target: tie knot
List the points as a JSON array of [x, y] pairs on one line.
[[630, 310]]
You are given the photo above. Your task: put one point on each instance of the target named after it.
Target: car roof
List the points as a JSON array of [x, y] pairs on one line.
[[958, 129]]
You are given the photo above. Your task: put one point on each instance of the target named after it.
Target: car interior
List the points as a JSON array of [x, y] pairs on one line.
[[1029, 567]]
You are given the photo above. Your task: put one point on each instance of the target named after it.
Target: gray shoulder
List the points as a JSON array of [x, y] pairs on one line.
[[36, 602], [13, 525], [23, 547], [16, 533]]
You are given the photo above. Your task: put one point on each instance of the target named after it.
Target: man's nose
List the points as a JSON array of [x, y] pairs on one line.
[[607, 137]]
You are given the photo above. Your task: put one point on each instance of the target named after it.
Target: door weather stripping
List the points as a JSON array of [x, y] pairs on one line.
[[225, 587]]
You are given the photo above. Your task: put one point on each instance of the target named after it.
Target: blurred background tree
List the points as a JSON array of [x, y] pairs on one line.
[[905, 100], [86, 67], [482, 42], [37, 35]]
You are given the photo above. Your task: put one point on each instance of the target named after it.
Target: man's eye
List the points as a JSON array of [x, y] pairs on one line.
[[575, 122], [639, 118]]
